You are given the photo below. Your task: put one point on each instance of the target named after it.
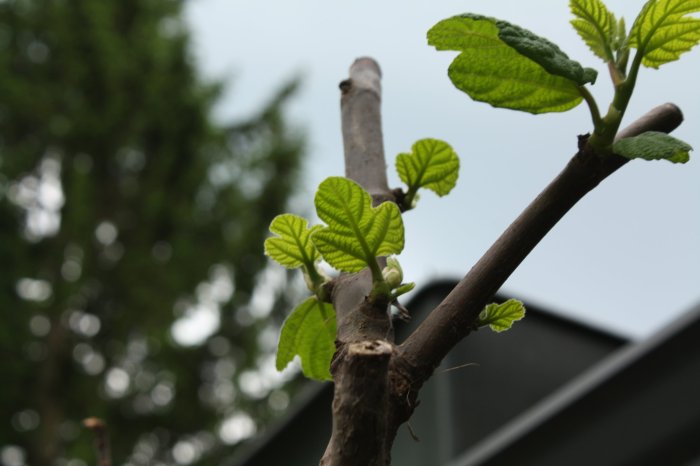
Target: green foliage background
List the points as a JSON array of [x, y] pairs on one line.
[[100, 104]]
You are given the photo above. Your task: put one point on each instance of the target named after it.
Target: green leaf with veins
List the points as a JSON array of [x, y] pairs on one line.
[[663, 30], [309, 332], [292, 247], [432, 164], [653, 145], [492, 71], [597, 27], [357, 232], [500, 317], [545, 53]]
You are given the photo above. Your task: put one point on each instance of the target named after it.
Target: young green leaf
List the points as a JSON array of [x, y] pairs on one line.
[[500, 317], [357, 232], [292, 247], [492, 71], [309, 332], [403, 289], [432, 164], [597, 27], [663, 30], [653, 145]]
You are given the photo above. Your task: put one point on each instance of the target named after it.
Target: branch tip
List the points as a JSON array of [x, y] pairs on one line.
[[99, 430], [94, 423]]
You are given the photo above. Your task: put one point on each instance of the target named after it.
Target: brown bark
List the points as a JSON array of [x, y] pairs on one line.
[[363, 343], [361, 388], [363, 143], [452, 320]]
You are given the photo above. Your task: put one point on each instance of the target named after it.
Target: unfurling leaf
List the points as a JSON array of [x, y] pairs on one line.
[[663, 30], [500, 317], [491, 70], [309, 332], [432, 164], [292, 247], [403, 289], [653, 145], [597, 27], [357, 232]]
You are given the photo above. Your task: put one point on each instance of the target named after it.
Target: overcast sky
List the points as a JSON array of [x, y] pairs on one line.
[[625, 258]]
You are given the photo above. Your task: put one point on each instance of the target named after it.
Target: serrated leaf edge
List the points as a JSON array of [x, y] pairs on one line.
[[486, 319]]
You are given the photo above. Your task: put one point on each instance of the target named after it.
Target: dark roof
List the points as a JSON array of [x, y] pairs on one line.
[[640, 406]]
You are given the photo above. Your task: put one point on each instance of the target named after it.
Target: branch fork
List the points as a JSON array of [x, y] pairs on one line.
[[377, 382]]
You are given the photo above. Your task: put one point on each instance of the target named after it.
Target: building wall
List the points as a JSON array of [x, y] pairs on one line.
[[506, 374]]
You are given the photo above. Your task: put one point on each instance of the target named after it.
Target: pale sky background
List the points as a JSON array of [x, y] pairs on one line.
[[625, 258]]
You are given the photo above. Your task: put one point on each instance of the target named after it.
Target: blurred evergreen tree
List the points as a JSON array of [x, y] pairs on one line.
[[127, 215]]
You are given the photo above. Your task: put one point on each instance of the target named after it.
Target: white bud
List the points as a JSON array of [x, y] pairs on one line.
[[392, 273]]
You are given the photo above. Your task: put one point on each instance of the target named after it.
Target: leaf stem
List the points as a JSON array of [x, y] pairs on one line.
[[380, 287], [376, 271], [616, 75], [318, 282], [592, 106], [603, 137], [409, 198]]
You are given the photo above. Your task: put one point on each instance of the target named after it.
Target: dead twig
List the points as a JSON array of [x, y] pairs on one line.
[[99, 430]]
